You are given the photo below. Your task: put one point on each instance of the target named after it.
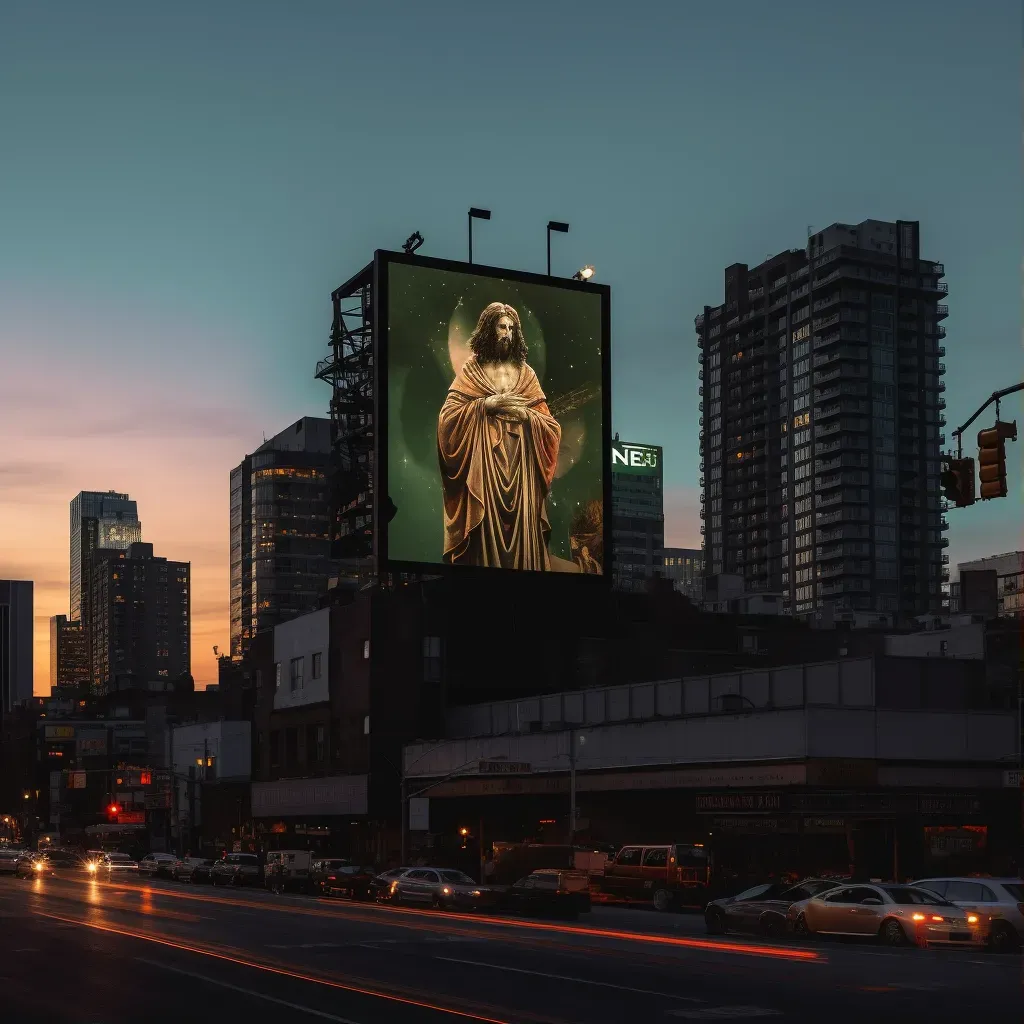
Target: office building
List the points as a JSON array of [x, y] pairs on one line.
[[139, 610], [69, 658], [15, 643], [685, 568], [638, 514], [99, 519], [822, 417], [1009, 583], [280, 544]]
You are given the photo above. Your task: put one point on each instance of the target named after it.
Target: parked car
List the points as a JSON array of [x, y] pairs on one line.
[[58, 863], [157, 865], [237, 869], [191, 869], [115, 864], [442, 889], [548, 892], [892, 914], [340, 878], [762, 909], [668, 875], [999, 902], [380, 885]]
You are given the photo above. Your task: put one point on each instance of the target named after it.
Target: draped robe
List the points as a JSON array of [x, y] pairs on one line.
[[496, 473]]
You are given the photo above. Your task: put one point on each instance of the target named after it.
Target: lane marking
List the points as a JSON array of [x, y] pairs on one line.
[[725, 1013], [282, 972], [249, 992], [578, 981], [308, 945]]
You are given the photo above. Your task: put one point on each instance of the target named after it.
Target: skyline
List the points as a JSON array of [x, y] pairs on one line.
[[184, 189]]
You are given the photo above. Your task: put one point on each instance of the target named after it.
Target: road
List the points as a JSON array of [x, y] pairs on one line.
[[106, 953]]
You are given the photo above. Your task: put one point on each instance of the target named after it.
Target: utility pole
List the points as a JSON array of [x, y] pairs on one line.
[[572, 794]]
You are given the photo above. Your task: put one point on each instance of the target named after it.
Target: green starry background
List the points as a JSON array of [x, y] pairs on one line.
[[562, 327]]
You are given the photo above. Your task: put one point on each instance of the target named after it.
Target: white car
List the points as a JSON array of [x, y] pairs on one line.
[[111, 864], [999, 901], [154, 864], [9, 860]]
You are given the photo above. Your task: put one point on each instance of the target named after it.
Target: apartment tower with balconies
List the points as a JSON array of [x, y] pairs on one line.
[[821, 423]]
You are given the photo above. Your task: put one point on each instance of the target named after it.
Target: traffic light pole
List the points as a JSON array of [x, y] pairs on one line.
[[994, 397]]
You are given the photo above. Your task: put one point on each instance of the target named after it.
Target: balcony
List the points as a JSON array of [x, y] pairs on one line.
[[824, 376], [826, 394], [826, 483], [828, 411], [824, 500], [941, 310]]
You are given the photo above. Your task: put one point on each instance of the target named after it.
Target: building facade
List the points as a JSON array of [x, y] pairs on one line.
[[69, 656], [822, 418], [638, 514], [685, 568], [99, 519], [139, 612], [1009, 570], [280, 544], [15, 643]]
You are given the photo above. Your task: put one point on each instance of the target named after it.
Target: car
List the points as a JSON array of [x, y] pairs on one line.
[[762, 909], [157, 865], [548, 892], [115, 863], [442, 889], [288, 870], [998, 901], [340, 878], [52, 863], [9, 860], [379, 887], [191, 869], [893, 914], [667, 875], [237, 869]]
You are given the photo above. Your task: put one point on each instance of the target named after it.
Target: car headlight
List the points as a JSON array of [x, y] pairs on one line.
[[972, 918], [91, 866], [394, 886], [37, 866], [446, 891], [476, 892]]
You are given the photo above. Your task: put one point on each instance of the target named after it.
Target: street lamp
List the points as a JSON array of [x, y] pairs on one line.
[[584, 273], [555, 225]]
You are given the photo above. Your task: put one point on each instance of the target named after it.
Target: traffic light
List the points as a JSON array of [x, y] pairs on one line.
[[992, 458], [958, 481]]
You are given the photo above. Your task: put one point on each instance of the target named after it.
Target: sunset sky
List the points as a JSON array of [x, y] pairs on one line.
[[183, 184]]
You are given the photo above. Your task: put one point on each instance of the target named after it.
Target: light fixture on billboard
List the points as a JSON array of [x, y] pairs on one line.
[[584, 273], [412, 243], [555, 225], [475, 213]]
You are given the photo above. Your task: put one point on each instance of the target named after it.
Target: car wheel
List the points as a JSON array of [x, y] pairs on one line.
[[1002, 939], [802, 928], [715, 921], [662, 900], [436, 903], [892, 934]]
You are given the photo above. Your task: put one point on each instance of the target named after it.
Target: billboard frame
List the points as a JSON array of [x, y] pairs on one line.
[[383, 259]]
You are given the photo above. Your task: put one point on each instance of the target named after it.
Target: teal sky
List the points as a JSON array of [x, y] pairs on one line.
[[181, 186]]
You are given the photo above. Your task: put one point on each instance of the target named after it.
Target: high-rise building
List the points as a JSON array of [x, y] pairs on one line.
[[822, 417], [638, 514], [280, 543], [685, 568], [69, 657], [16, 624], [139, 612], [99, 519]]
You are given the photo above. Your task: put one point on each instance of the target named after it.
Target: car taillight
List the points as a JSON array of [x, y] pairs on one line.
[[331, 878], [918, 917]]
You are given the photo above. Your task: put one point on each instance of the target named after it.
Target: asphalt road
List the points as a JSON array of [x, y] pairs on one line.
[[102, 953]]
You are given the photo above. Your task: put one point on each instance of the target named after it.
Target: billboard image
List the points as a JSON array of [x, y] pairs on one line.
[[493, 396], [636, 459]]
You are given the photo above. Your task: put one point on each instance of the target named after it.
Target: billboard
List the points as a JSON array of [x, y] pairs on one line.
[[493, 413], [636, 459]]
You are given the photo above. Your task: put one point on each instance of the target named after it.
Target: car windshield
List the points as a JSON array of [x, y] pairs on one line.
[[752, 894], [806, 890], [456, 876], [907, 896], [245, 858], [118, 856]]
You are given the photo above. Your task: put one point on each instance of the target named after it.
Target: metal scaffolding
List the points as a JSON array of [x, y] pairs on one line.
[[349, 370]]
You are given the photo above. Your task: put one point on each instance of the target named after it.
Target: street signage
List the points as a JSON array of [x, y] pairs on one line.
[[505, 768], [76, 780], [131, 818], [1013, 779]]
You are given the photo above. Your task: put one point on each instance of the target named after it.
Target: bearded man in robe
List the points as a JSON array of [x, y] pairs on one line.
[[497, 445]]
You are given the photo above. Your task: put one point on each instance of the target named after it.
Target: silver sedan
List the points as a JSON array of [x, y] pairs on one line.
[[441, 888], [893, 914]]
